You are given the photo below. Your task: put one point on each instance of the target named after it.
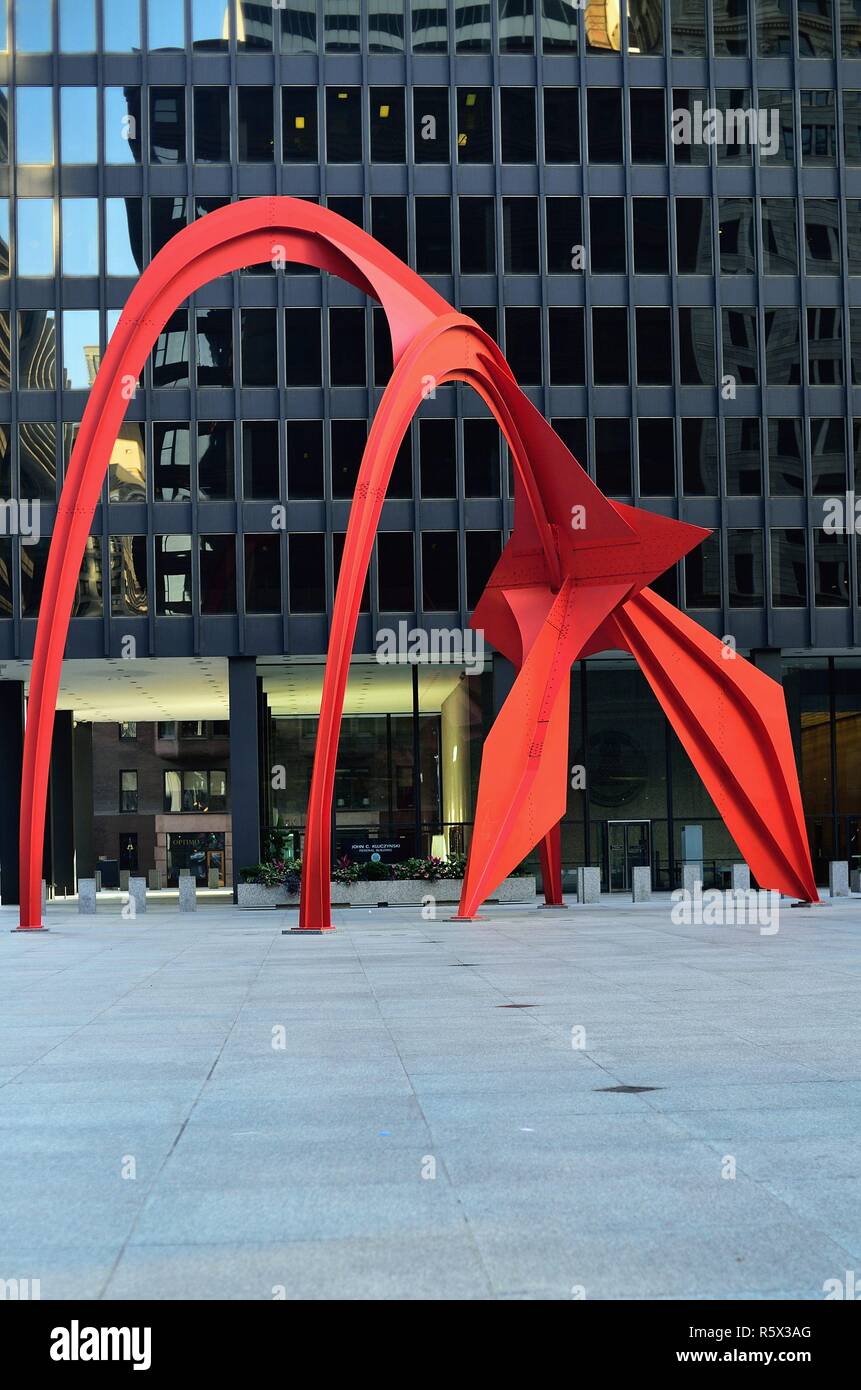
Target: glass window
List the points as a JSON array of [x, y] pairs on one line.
[[303, 347], [124, 236], [37, 349], [613, 456], [736, 236], [558, 26], [520, 235], [477, 236], [209, 24], [475, 125], [523, 344], [430, 125], [788, 568], [786, 457], [171, 356], [348, 444], [34, 125], [35, 249], [5, 385], [256, 125], [853, 234], [607, 254], [122, 124], [433, 236], [33, 26], [440, 572], [386, 26], [825, 347], [259, 346], [567, 347], [518, 125], [819, 127], [745, 579], [438, 457], [78, 125], [129, 791], [699, 458], [263, 573], [852, 122], [80, 230], [171, 462], [610, 347], [702, 574], [656, 449], [37, 461], [645, 26], [561, 125], [342, 25], [730, 27], [166, 24], [88, 594], [34, 560], [307, 572], [305, 459], [80, 348], [299, 27], [651, 236], [743, 449], [261, 464], [77, 26], [779, 236], [395, 572], [773, 28], [212, 125], [173, 575], [779, 109], [689, 147], [822, 236], [814, 29], [217, 574], [430, 26], [694, 236], [388, 125], [4, 123], [828, 457], [565, 250], [782, 347], [696, 339], [167, 125], [128, 576], [604, 124], [830, 570], [688, 28], [472, 26], [739, 355], [299, 120], [648, 125], [215, 461], [214, 329], [483, 549], [654, 345], [347, 363], [127, 467], [255, 23], [4, 238], [344, 125], [738, 127], [481, 457], [516, 26], [121, 30]]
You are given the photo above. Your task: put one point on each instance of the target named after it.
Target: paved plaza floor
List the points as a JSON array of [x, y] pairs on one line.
[[538, 1105]]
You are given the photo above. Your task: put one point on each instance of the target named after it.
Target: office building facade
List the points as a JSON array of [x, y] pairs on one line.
[[657, 214]]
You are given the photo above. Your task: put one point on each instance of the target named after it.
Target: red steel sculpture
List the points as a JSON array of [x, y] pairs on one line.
[[572, 580]]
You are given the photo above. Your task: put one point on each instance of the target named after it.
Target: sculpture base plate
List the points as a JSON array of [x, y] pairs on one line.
[[306, 931], [823, 902], [28, 931]]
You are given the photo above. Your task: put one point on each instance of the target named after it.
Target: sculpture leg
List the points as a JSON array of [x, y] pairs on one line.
[[550, 852], [731, 719]]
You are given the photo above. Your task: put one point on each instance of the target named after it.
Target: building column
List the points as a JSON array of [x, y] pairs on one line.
[[62, 792], [244, 764], [11, 755], [85, 858]]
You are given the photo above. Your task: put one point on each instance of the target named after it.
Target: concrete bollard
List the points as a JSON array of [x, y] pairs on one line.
[[124, 880], [137, 894], [641, 883], [214, 879], [44, 896], [740, 878], [855, 880], [154, 880], [692, 874], [187, 893], [98, 880], [838, 878], [87, 896], [588, 885]]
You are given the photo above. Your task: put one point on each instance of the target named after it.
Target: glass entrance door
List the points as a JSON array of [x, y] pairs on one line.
[[628, 847]]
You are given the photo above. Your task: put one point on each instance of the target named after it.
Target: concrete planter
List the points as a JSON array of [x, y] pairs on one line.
[[405, 892]]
